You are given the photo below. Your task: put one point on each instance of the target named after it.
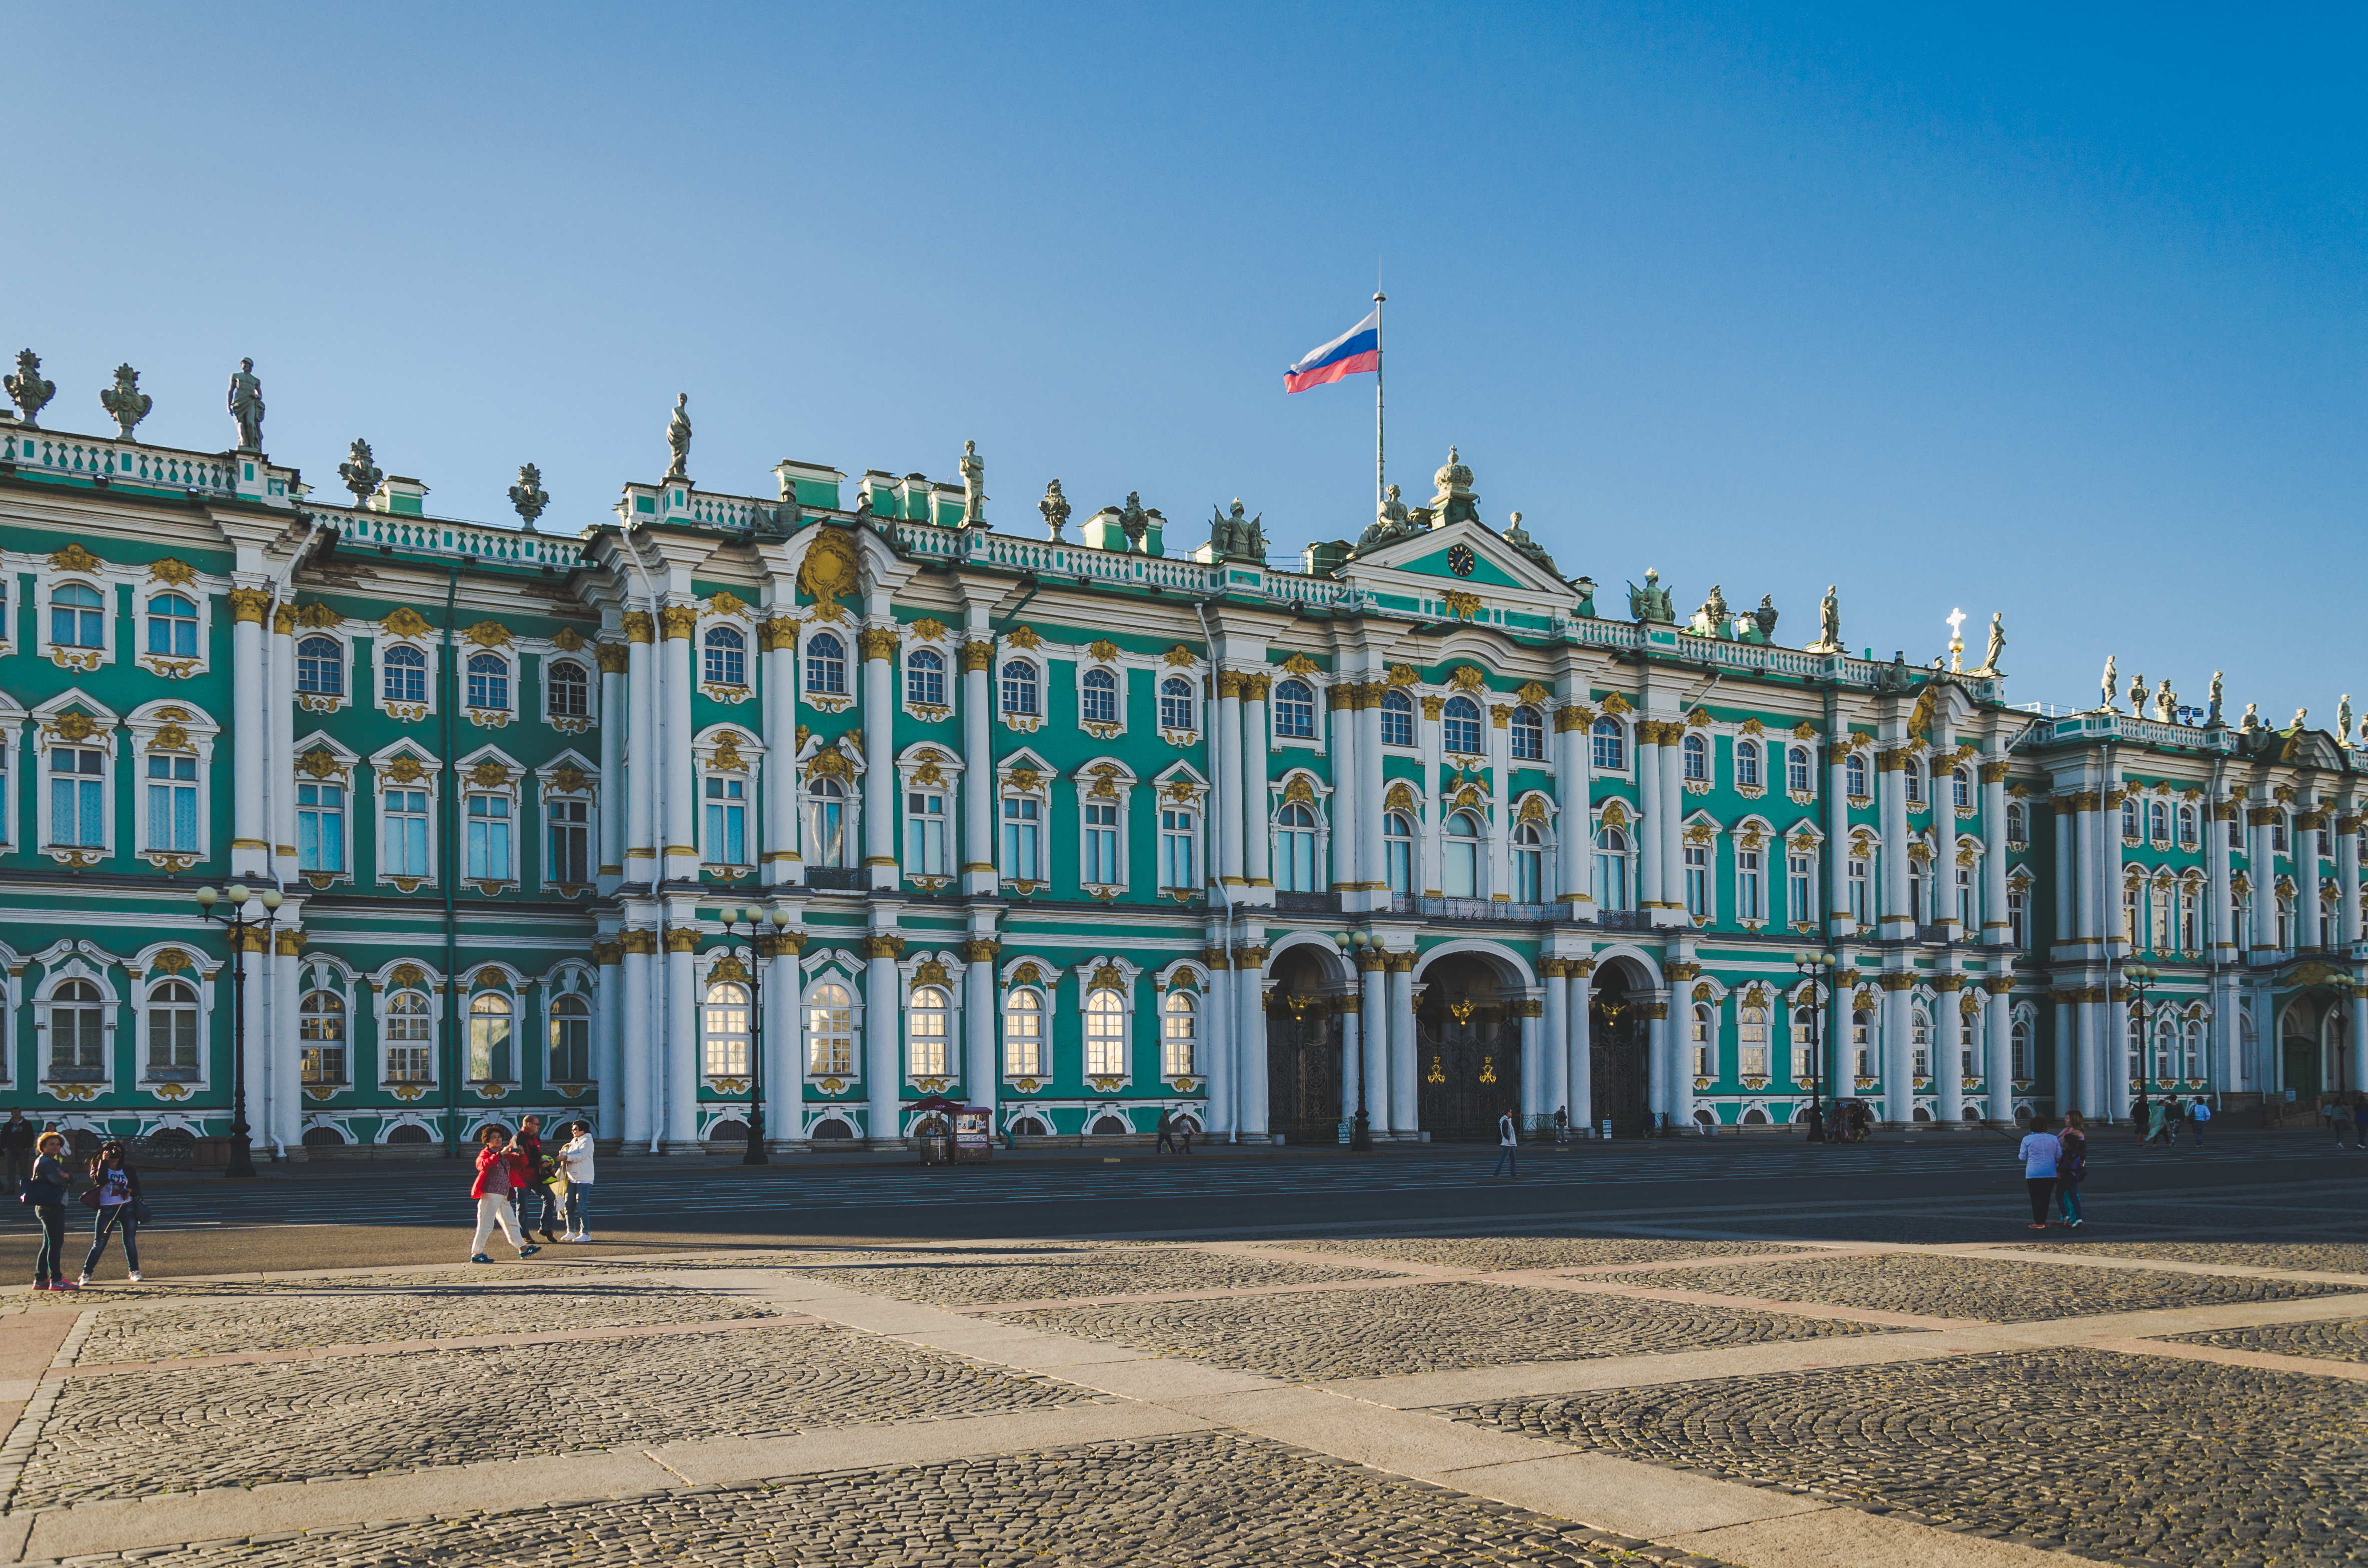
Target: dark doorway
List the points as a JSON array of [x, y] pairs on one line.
[[2299, 1047], [1617, 1035], [1303, 1051], [1468, 1069]]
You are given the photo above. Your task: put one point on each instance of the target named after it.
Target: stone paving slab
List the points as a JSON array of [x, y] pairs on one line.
[[1413, 1328], [2345, 1339], [140, 1433], [2124, 1458], [967, 1281], [1981, 1288], [1218, 1498], [2322, 1257], [168, 1332], [1487, 1253]]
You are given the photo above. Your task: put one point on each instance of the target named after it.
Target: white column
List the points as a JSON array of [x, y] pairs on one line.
[[254, 966], [1498, 739], [1554, 1047], [1670, 818], [1942, 799], [1406, 1048], [2217, 860], [1948, 1049], [1997, 930], [1533, 1100], [2260, 819], [611, 657], [637, 1092], [2070, 907], [676, 692], [1836, 849], [1257, 841], [780, 864], [1374, 982], [2109, 848], [1249, 1035], [784, 1062], [1671, 1089], [279, 762], [982, 1076], [1347, 815], [978, 767], [1897, 918], [2067, 1041], [287, 1048], [680, 1050], [883, 1077], [1352, 1066], [1574, 791], [1428, 879], [2088, 1085], [1370, 861], [1998, 1021], [608, 1038], [1580, 1046], [1649, 894], [249, 847], [1225, 757], [878, 644], [643, 746], [2309, 914], [1218, 1027]]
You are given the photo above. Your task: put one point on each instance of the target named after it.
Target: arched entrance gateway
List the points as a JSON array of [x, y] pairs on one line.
[[1468, 1061], [1618, 1037], [1303, 1047]]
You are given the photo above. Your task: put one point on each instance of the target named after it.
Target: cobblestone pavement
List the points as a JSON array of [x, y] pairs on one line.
[[1218, 1498], [2343, 1339], [2107, 1456], [1533, 1252], [2324, 1257], [163, 1332], [968, 1281], [1419, 1328], [1985, 1289], [133, 1432]]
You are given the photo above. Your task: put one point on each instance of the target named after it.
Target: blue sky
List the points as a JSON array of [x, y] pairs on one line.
[[2008, 309]]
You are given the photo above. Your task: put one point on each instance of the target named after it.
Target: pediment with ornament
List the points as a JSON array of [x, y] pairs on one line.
[[1463, 554]]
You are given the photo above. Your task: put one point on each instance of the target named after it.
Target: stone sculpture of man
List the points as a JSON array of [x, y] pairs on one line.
[[246, 403], [2112, 686], [2343, 720], [2166, 701], [1997, 649], [2215, 716], [678, 437], [974, 478], [1830, 624]]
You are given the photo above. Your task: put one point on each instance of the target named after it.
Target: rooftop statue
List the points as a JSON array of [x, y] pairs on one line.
[[1518, 537], [1713, 618], [678, 437], [1763, 619], [1585, 609], [2214, 718], [1453, 500], [26, 389], [1235, 538], [1391, 520], [245, 399], [974, 478], [527, 495], [361, 473], [2166, 703], [1829, 625], [1056, 507], [1997, 649], [2112, 687], [124, 402], [2252, 717], [2137, 697], [1651, 602], [2343, 720], [2301, 720]]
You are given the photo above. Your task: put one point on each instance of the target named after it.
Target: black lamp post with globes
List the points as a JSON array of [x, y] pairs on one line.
[[1814, 966], [239, 922], [755, 919]]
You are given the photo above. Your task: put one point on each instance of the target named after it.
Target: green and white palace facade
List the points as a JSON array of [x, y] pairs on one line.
[[1080, 830]]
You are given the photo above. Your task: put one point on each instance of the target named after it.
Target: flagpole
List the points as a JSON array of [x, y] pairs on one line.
[[1379, 492]]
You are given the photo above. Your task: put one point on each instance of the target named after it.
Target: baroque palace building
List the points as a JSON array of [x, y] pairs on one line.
[[1083, 832]]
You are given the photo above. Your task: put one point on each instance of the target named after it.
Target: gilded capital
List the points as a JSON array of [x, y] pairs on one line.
[[639, 627], [1994, 772], [877, 643], [606, 953], [884, 947], [1432, 707], [977, 656], [248, 604], [1255, 689], [611, 657], [1997, 984], [1553, 969], [981, 950], [1948, 982], [678, 621], [775, 631], [1229, 684], [283, 619], [1216, 958], [1400, 963], [681, 941], [638, 941], [1370, 961], [1895, 982], [289, 942], [2260, 816]]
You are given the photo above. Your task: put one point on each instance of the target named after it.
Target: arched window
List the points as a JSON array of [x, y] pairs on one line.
[[408, 1038], [2158, 821], [2193, 1055], [569, 689], [77, 1031], [1611, 746], [826, 665], [1751, 1040], [1966, 1020], [1019, 687], [1702, 1039], [78, 616], [1612, 869], [725, 658], [1747, 764], [2189, 837], [1854, 776], [1397, 719], [1695, 753], [1294, 848], [1911, 778], [1458, 868], [1462, 734], [1529, 864], [406, 674], [571, 1040], [1105, 1034], [1919, 1041], [1023, 1034], [725, 842], [2018, 824], [1528, 735], [2165, 1069], [1961, 790], [1807, 1066], [1397, 841], [2129, 819], [1799, 776], [830, 1031], [1179, 1032], [489, 1038], [925, 679], [828, 806], [320, 666], [1968, 914], [2019, 1050], [173, 1031], [321, 1028], [926, 1032], [1176, 704], [489, 681], [172, 800], [172, 626], [1294, 711], [2278, 834], [1862, 1047], [1098, 697]]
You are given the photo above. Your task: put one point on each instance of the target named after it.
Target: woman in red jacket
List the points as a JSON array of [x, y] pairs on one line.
[[501, 1166]]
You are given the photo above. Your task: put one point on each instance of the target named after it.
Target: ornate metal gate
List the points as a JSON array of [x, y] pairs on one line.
[[1616, 1041], [1470, 1071], [1303, 1070]]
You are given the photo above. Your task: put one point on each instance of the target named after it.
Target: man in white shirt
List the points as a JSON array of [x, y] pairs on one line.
[[575, 1159], [2039, 1152], [1508, 1140]]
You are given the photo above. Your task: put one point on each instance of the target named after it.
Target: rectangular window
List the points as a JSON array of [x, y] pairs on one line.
[[77, 797], [1804, 1044], [1751, 1042], [489, 838], [1101, 844], [1023, 1036], [405, 813], [925, 832], [1022, 862], [320, 827], [1698, 880], [171, 801], [2017, 916], [1965, 910], [1175, 849], [1858, 905], [727, 820], [1400, 869], [172, 1041], [569, 857], [1800, 888], [1750, 887]]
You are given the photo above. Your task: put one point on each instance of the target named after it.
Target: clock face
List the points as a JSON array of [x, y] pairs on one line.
[[1460, 561]]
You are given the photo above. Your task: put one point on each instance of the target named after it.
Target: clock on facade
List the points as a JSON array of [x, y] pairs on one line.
[[1460, 561]]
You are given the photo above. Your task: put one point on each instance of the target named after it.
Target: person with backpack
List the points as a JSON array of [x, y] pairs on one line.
[[115, 1194], [2071, 1167], [533, 1192], [500, 1166], [45, 1192]]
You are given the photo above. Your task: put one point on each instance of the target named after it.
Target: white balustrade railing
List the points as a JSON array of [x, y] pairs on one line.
[[441, 536], [124, 462]]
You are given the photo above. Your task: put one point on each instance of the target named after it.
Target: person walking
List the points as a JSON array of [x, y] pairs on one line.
[[498, 1162], [45, 1191], [17, 1144], [2071, 1167], [2039, 1153], [2198, 1116], [1508, 1140], [118, 1188], [1166, 1134], [538, 1206], [575, 1159]]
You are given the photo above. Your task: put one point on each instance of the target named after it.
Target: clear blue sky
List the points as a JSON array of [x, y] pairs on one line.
[[2053, 310]]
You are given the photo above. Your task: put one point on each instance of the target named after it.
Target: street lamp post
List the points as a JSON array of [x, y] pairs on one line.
[[1812, 966], [755, 920], [2141, 978], [238, 922], [1360, 1130]]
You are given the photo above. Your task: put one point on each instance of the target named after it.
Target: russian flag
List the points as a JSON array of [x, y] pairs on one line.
[[1352, 353]]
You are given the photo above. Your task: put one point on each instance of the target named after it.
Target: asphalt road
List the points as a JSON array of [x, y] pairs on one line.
[[332, 1216]]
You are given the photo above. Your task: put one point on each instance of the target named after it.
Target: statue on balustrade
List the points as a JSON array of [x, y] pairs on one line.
[[1651, 602], [1829, 625], [1055, 508], [2112, 687], [361, 473], [2213, 718], [2137, 697], [1234, 537], [678, 437], [1518, 537], [28, 390], [124, 402], [1712, 619], [528, 494], [974, 478], [2166, 703], [245, 402], [1997, 649], [1391, 520]]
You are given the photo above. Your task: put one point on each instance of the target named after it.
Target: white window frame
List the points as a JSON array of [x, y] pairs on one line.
[[1625, 740], [383, 645], [111, 1005], [582, 658], [431, 782], [1316, 714], [1119, 780], [549, 794], [322, 701], [147, 723], [172, 666], [75, 657], [1100, 728], [1125, 992], [103, 739], [1413, 743], [1041, 994], [849, 669], [384, 995], [144, 1002], [829, 973], [1007, 716], [1193, 702]]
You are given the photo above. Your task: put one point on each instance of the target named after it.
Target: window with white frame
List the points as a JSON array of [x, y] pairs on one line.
[[825, 665], [1105, 1034], [1098, 847], [725, 796], [2191, 899], [1023, 839], [571, 1040], [567, 840], [489, 1038], [1697, 859], [723, 1030], [321, 1033], [1751, 1039], [925, 677], [1919, 894], [1805, 1059], [2018, 824], [1919, 1040], [1750, 884], [1023, 1033], [1294, 848], [489, 682], [78, 797], [826, 804], [1459, 857], [1397, 851], [1528, 735], [1854, 776], [488, 843], [1702, 1033], [321, 666], [2017, 915], [1859, 875], [171, 819], [78, 1033], [926, 1032], [1862, 1043], [1966, 1020], [1459, 731], [403, 673], [1098, 697], [1179, 1032], [1747, 764], [2130, 819], [2193, 1051], [1968, 905], [403, 814], [1693, 754], [1609, 743], [830, 1031], [1177, 827], [1911, 781], [1019, 690], [1961, 789], [172, 626], [1612, 869], [1529, 864], [408, 1038], [172, 1031], [1800, 886], [2158, 821], [2189, 833], [320, 826], [2019, 1048], [78, 616], [568, 689], [1397, 719], [723, 657], [1176, 704], [1294, 711], [925, 832], [1800, 774]]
